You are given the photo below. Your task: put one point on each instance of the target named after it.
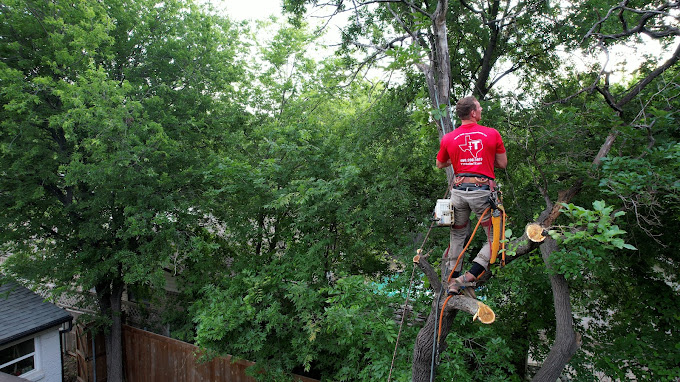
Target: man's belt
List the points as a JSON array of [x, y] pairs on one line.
[[471, 187], [471, 179]]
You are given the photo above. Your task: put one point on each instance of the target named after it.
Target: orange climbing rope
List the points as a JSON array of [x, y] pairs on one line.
[[418, 253], [441, 313]]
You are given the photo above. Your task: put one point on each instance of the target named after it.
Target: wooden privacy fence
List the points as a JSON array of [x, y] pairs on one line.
[[151, 357], [91, 364]]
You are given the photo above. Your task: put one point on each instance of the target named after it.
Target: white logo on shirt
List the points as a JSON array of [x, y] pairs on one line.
[[473, 146]]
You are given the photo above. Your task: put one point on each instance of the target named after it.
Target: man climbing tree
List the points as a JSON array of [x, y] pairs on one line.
[[473, 151]]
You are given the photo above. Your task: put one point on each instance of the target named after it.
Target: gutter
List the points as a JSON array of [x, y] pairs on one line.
[[40, 328]]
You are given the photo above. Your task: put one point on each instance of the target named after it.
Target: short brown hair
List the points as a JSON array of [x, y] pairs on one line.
[[465, 106]]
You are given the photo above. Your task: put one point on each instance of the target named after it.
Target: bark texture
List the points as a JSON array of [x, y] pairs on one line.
[[423, 349], [567, 341], [110, 296], [422, 366]]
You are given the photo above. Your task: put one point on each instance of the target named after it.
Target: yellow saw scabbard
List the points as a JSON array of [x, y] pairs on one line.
[[496, 230]]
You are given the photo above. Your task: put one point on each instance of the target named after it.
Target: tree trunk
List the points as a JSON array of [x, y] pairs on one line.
[[422, 351], [489, 59], [110, 296], [567, 341], [441, 66]]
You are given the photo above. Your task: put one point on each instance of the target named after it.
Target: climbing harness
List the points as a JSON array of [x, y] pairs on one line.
[[497, 242], [448, 280]]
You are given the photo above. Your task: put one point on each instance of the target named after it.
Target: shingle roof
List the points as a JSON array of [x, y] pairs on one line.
[[23, 313]]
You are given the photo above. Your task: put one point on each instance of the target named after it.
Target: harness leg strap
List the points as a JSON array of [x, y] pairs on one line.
[[461, 225]]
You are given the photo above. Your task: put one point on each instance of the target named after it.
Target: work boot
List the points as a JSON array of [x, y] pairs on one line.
[[455, 285], [459, 283]]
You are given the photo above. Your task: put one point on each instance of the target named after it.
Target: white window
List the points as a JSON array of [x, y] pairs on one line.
[[18, 359]]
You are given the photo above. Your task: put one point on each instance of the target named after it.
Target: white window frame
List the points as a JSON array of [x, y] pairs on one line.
[[35, 354]]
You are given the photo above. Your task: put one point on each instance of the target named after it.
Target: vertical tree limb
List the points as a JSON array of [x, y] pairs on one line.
[[567, 341]]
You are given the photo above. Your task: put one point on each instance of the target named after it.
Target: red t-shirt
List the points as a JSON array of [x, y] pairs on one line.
[[472, 149]]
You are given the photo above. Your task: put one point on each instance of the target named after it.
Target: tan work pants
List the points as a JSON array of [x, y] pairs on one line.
[[465, 202]]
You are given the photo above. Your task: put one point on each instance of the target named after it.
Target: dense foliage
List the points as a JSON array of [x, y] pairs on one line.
[[112, 117]]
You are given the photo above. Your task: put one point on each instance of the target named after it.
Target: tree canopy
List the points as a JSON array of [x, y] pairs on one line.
[[112, 120]]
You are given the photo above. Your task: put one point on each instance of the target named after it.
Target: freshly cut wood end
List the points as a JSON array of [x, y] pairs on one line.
[[535, 232], [484, 313]]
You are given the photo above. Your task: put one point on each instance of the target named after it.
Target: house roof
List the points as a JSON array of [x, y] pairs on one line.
[[23, 313]]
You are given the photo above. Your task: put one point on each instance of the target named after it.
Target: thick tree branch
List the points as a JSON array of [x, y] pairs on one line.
[[598, 24], [489, 53], [567, 341], [563, 196], [605, 148], [430, 273], [622, 19], [66, 198], [646, 16], [637, 88], [522, 246], [471, 9], [632, 92], [462, 303], [608, 96], [515, 67], [458, 302]]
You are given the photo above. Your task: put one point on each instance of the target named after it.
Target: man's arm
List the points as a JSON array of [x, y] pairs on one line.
[[443, 165], [501, 160]]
